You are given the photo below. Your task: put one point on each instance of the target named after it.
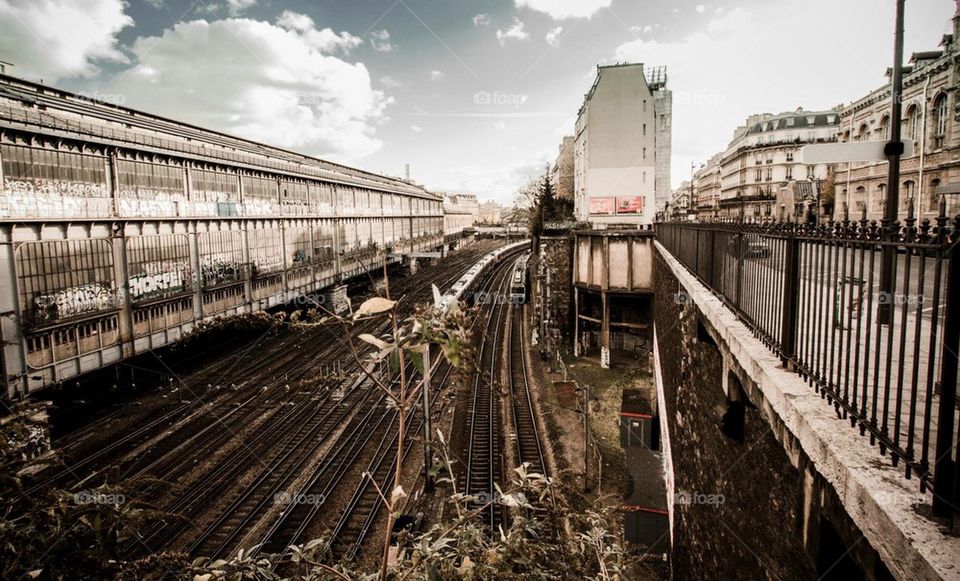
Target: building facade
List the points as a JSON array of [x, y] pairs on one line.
[[706, 189], [681, 205], [931, 119], [622, 147], [762, 178], [562, 170], [460, 213]]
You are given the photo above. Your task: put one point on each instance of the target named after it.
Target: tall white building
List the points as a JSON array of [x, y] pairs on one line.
[[622, 147]]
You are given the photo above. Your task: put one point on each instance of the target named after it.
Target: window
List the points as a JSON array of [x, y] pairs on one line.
[[644, 153], [759, 175], [913, 123], [789, 156], [811, 172], [880, 201], [864, 133], [939, 120], [644, 129], [884, 129], [789, 175], [769, 174], [933, 198], [909, 191]]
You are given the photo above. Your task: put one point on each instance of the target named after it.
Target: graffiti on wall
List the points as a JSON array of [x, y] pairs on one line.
[[218, 269], [52, 199], [159, 279], [71, 302], [149, 202]]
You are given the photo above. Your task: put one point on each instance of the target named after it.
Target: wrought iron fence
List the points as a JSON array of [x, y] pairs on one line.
[[885, 355]]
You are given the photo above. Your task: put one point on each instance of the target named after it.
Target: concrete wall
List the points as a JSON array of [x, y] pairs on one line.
[[613, 261]]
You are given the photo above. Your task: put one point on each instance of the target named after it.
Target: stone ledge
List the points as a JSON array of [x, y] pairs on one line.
[[912, 547]]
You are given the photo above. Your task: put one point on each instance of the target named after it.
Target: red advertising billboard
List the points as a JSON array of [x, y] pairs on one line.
[[630, 205], [604, 206]]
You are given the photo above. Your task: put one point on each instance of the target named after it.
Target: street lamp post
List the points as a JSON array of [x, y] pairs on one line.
[[893, 151]]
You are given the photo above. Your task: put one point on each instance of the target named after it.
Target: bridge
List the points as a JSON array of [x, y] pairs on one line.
[[825, 426]]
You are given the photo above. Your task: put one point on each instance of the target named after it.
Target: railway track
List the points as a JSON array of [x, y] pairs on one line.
[[232, 490], [484, 465], [253, 503], [527, 434], [361, 512]]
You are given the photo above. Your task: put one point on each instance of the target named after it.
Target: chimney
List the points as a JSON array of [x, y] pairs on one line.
[[406, 171]]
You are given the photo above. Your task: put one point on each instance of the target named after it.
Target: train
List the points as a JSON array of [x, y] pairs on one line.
[[519, 279], [458, 291], [121, 231]]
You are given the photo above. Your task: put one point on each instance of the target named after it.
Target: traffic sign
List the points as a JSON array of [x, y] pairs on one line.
[[849, 151]]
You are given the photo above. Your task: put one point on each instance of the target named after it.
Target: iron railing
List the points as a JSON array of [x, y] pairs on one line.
[[886, 360]]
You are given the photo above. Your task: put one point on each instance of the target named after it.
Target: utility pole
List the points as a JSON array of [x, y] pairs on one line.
[[586, 438], [893, 150], [427, 448]]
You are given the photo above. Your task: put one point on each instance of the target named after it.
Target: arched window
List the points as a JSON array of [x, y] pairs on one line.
[[909, 193], [939, 119], [933, 198], [913, 123], [880, 201], [864, 133], [859, 202], [884, 129]]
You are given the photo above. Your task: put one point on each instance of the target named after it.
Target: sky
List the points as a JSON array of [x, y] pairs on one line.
[[474, 94]]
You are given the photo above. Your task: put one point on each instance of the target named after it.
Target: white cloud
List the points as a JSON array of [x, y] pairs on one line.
[[701, 8], [324, 40], [515, 32], [56, 39], [481, 20], [390, 83], [237, 6], [380, 41], [278, 84], [436, 75], [553, 36], [561, 9], [416, 129]]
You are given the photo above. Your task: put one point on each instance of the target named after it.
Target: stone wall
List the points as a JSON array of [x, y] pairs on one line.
[[737, 509], [756, 458], [557, 255]]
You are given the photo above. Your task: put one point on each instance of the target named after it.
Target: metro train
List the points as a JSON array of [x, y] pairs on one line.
[[518, 282]]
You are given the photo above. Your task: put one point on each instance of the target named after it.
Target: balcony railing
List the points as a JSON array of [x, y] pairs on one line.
[[886, 360]]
